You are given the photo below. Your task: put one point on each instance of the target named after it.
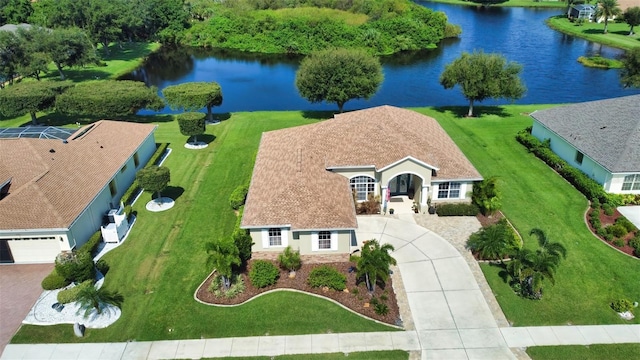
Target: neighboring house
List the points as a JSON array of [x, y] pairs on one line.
[[601, 138], [582, 11], [54, 193], [305, 178]]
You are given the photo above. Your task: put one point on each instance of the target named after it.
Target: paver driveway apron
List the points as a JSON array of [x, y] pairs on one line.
[[450, 314]]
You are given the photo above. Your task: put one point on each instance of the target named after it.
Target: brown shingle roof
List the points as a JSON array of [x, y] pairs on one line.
[[291, 184], [51, 189]]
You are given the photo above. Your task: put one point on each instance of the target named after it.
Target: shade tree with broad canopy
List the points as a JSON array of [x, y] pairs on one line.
[[483, 76], [29, 97], [194, 96]]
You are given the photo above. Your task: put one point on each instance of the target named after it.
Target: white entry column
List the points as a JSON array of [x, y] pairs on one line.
[[424, 195]]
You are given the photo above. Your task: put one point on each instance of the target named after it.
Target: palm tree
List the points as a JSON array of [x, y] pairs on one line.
[[553, 248], [374, 263], [223, 254], [490, 243], [607, 9], [91, 299], [485, 194]]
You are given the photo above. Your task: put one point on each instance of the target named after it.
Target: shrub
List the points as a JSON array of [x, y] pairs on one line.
[[191, 123], [595, 203], [91, 245], [618, 242], [635, 244], [601, 232], [238, 196], [155, 158], [102, 266], [486, 196], [628, 225], [617, 230], [290, 259], [369, 206], [76, 267], [263, 273], [54, 281], [608, 209], [621, 305], [328, 276], [381, 309], [71, 294], [460, 209], [131, 193], [494, 241], [244, 242], [608, 237], [127, 211]]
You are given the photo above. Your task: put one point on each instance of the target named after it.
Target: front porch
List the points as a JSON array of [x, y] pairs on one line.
[[401, 204]]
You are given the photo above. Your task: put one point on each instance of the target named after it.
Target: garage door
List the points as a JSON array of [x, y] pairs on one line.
[[40, 250]]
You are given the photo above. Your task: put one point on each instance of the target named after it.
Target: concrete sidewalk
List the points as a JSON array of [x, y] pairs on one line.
[[435, 344]]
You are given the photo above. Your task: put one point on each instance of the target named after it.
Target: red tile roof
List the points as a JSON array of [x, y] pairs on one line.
[[53, 182], [292, 186]]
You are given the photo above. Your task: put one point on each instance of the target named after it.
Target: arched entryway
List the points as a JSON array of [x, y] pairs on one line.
[[404, 193]]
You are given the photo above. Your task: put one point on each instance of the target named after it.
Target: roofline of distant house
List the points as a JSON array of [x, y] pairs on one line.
[[292, 229], [265, 226]]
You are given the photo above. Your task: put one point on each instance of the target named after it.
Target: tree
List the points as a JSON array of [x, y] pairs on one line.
[[194, 96], [630, 72], [632, 18], [374, 262], [191, 124], [482, 76], [105, 21], [529, 269], [91, 299], [68, 48], [30, 97], [607, 9], [154, 179], [15, 11], [493, 242], [339, 75], [486, 195], [11, 53], [223, 254], [108, 98], [290, 259], [35, 59]]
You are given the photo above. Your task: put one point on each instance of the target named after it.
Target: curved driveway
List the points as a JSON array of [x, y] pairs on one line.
[[450, 315]]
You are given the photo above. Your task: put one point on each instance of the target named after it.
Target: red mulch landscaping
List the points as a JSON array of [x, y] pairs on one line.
[[607, 220], [486, 220], [356, 302]]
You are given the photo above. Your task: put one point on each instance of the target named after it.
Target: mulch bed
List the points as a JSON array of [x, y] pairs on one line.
[[351, 300], [607, 220], [486, 220]]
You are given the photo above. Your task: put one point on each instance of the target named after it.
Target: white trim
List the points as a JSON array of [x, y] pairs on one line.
[[265, 238], [375, 185], [346, 167], [334, 241], [314, 241], [454, 180], [248, 227], [409, 158]]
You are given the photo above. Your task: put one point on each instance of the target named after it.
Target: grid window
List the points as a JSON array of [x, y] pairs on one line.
[[324, 240], [579, 157], [363, 186], [631, 182], [275, 237], [449, 190]]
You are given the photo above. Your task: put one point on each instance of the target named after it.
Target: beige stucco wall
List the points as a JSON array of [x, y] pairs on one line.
[[407, 166], [466, 189], [303, 244]]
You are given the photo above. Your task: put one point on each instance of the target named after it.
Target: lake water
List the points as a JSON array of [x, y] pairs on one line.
[[549, 59]]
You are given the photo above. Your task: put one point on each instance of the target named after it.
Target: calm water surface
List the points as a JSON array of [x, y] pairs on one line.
[[550, 68]]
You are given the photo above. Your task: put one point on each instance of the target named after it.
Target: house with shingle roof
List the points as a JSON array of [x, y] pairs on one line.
[[306, 179], [55, 193], [601, 138]]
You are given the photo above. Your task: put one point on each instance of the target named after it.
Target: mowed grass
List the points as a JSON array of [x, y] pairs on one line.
[[577, 352], [617, 32], [161, 264], [593, 275]]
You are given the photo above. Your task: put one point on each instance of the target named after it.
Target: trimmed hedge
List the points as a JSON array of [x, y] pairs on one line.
[[54, 281], [460, 209], [589, 187], [78, 267], [91, 245], [328, 276], [70, 295], [263, 273], [238, 196]]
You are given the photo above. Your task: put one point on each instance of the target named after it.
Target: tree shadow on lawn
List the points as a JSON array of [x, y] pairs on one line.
[[222, 116], [318, 115], [147, 119], [78, 74], [173, 192], [460, 112], [205, 138]]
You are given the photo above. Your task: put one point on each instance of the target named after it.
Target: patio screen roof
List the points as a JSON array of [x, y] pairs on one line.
[[37, 132]]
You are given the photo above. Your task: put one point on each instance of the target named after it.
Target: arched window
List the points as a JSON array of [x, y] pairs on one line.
[[363, 186]]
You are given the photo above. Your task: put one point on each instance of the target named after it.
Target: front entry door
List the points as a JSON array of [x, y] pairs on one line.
[[400, 184]]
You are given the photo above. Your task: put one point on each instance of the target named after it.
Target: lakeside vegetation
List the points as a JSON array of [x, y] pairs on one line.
[[600, 62], [301, 27], [617, 34], [509, 3]]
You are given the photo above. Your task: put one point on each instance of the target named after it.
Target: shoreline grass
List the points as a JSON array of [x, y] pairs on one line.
[[617, 36], [600, 62]]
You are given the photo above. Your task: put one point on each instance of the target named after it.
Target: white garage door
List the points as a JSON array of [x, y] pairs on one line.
[[40, 250]]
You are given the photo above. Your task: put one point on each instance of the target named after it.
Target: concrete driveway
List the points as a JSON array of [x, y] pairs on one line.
[[450, 314], [632, 213], [19, 290]]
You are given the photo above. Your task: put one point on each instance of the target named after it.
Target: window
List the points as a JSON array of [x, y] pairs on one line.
[[324, 240], [112, 188], [363, 186], [296, 235], [136, 160], [579, 157], [275, 237], [449, 190], [631, 182], [124, 168]]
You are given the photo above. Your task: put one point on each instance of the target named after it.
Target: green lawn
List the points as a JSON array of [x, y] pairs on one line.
[[162, 262], [609, 352], [364, 355], [511, 3], [593, 274], [617, 32]]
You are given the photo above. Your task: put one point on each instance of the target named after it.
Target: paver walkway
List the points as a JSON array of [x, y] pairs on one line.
[[450, 318]]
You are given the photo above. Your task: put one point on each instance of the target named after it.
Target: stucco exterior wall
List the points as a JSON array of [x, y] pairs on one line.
[[303, 243], [466, 188], [407, 166], [568, 153], [615, 185]]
